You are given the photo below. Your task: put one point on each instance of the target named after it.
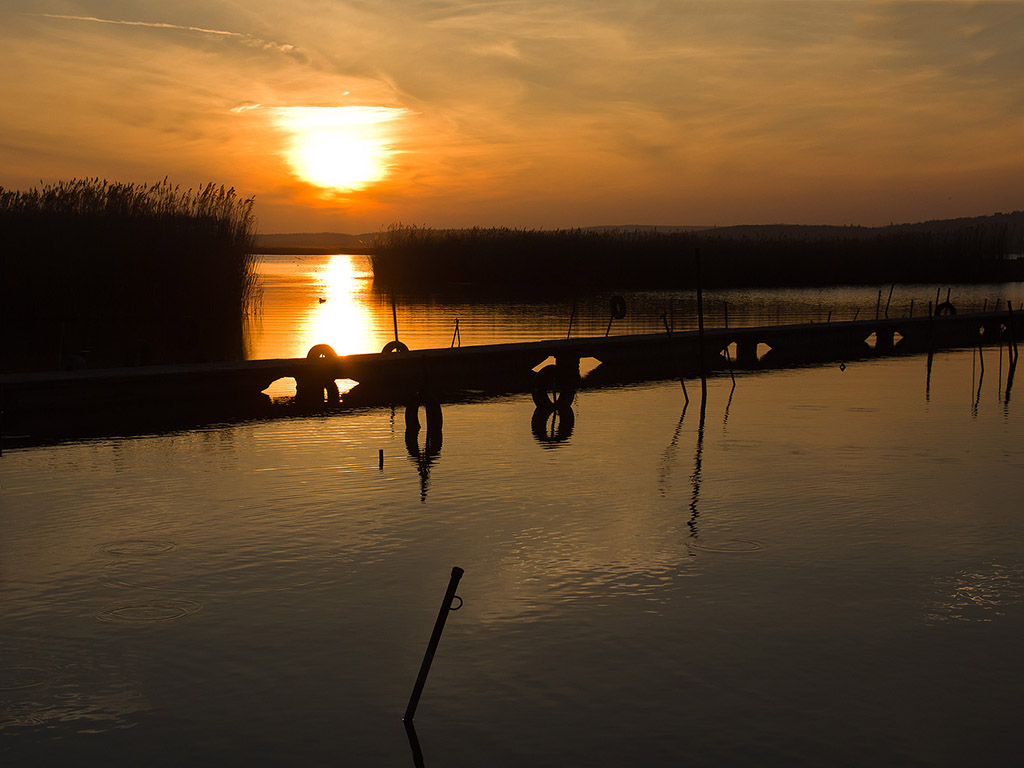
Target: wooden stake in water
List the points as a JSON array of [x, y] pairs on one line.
[[435, 638]]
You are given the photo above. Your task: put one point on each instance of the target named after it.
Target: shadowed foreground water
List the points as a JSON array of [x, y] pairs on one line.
[[828, 571]]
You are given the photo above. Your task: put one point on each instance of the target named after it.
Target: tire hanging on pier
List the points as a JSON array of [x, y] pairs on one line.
[[945, 308], [321, 352], [311, 389], [552, 388], [617, 306], [394, 346]]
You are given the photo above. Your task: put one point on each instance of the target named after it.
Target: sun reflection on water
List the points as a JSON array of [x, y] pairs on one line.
[[341, 316], [323, 301]]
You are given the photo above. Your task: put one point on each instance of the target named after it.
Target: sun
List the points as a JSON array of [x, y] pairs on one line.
[[339, 148]]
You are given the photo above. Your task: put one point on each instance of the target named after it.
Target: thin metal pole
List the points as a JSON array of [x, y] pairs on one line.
[[435, 638], [700, 328], [394, 315]]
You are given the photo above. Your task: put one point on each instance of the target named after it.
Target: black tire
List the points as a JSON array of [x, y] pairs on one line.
[[551, 389], [945, 308], [617, 306], [394, 346], [321, 352]]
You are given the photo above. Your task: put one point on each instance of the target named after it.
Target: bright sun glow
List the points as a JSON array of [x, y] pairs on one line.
[[339, 148]]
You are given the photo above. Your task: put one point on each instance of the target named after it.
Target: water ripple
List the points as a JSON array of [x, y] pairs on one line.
[[139, 547], [148, 612], [730, 546]]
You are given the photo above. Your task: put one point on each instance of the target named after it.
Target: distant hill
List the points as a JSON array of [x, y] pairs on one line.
[[660, 228], [1013, 222], [314, 242]]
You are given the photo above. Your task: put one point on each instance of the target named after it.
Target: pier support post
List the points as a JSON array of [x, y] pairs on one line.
[[568, 365], [746, 353]]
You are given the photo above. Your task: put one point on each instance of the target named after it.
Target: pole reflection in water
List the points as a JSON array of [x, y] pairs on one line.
[[728, 405], [981, 378], [1011, 353], [1009, 381], [668, 457], [414, 744], [928, 377], [695, 478]]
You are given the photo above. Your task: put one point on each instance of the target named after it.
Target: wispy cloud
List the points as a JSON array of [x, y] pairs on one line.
[[246, 39]]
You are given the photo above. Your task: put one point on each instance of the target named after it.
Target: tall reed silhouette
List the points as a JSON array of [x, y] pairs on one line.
[[106, 273]]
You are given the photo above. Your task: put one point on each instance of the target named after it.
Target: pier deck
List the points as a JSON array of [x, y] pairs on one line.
[[509, 365]]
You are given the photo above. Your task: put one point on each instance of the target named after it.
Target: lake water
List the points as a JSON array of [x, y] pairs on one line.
[[826, 567]]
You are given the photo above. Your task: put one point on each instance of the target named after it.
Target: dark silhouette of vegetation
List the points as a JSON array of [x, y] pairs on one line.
[[966, 250], [99, 274]]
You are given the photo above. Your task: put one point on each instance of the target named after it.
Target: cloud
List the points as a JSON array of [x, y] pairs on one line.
[[240, 36]]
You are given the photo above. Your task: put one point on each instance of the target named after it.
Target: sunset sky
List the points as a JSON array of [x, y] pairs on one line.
[[351, 115]]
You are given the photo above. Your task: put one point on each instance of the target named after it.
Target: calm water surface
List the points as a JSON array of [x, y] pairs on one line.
[[825, 569]]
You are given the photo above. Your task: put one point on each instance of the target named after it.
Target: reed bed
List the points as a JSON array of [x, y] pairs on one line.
[[556, 261], [99, 273]]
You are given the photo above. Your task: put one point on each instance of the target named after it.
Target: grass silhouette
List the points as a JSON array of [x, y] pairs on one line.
[[954, 251], [102, 274]]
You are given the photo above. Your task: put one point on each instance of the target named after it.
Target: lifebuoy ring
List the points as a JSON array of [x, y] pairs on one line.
[[945, 308], [321, 352], [552, 389], [310, 389], [617, 306], [394, 346]]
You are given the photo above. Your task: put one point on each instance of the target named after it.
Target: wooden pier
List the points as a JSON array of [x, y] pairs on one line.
[[396, 376]]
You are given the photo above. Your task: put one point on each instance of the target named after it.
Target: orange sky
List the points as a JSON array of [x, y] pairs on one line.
[[532, 113]]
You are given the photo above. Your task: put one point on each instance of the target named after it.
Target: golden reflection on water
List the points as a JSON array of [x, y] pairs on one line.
[[315, 300], [978, 595], [341, 315]]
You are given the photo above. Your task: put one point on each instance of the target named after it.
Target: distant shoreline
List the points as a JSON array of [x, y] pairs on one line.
[[312, 250]]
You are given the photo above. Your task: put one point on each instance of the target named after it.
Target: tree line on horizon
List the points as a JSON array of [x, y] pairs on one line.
[[982, 249]]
